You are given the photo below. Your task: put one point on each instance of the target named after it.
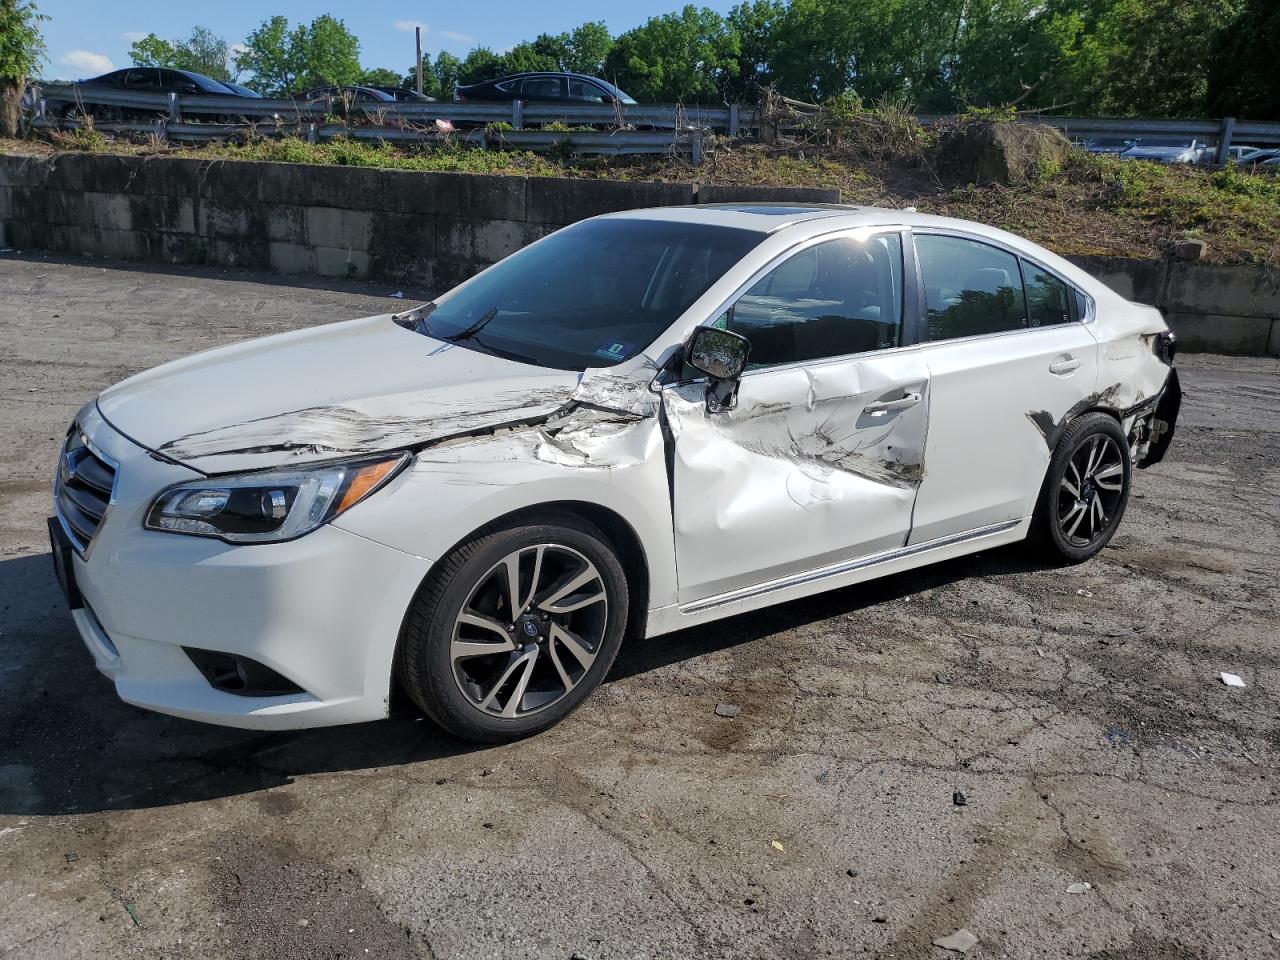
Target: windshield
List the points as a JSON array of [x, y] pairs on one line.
[[610, 88], [592, 295]]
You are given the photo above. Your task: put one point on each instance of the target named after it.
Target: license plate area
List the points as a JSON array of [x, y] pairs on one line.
[[63, 564]]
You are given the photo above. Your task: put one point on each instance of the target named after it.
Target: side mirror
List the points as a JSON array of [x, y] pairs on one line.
[[720, 354]]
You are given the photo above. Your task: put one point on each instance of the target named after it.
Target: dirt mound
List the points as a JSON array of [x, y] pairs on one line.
[[985, 152]]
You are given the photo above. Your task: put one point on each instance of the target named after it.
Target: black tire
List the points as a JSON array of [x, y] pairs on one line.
[[1060, 532], [452, 691]]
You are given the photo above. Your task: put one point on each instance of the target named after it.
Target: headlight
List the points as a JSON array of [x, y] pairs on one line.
[[271, 505]]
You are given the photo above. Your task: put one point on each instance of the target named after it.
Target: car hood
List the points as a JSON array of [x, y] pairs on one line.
[[344, 389]]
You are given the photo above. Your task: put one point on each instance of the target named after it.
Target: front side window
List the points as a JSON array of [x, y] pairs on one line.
[[970, 288], [585, 92], [835, 298], [591, 295]]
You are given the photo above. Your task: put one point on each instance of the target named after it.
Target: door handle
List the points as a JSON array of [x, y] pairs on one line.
[[886, 406], [1064, 366]]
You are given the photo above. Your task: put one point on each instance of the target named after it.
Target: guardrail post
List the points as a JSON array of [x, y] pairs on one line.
[[161, 133], [1224, 138], [517, 114], [312, 134], [175, 112], [695, 147], [733, 119]]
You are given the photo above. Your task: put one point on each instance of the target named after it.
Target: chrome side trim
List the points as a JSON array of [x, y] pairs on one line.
[[848, 566]]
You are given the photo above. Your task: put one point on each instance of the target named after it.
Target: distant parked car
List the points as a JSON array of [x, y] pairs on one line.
[[1113, 145], [241, 91], [1256, 156], [134, 80], [403, 95], [353, 94], [1166, 150], [545, 87]]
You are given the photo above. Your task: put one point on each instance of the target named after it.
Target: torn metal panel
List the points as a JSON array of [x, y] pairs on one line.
[[803, 471], [344, 389]]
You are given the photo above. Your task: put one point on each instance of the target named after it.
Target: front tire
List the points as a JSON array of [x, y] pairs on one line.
[[515, 628], [1085, 491]]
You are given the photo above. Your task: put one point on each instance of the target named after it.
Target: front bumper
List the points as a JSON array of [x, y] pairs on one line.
[[323, 611]]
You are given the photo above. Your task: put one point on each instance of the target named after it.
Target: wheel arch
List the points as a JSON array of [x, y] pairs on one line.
[[621, 534]]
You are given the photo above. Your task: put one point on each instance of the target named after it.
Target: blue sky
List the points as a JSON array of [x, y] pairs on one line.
[[87, 37]]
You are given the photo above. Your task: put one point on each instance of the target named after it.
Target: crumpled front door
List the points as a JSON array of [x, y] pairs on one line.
[[814, 465]]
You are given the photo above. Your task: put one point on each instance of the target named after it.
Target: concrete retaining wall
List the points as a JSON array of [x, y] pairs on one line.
[[1221, 309], [428, 229], [434, 230]]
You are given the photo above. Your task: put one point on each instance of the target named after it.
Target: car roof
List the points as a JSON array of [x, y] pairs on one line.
[[771, 217]]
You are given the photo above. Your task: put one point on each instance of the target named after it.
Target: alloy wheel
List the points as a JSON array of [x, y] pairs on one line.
[[529, 630], [1091, 490]]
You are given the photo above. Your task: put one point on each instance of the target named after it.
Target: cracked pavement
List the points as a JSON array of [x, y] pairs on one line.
[[1078, 710]]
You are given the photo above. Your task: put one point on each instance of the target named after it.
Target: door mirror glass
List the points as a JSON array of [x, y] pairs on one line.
[[720, 354]]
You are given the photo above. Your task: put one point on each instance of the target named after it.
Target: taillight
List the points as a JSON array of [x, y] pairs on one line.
[[1166, 346]]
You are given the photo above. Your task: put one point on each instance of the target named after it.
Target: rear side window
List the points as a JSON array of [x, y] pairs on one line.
[[833, 299], [542, 88], [1048, 298], [970, 288]]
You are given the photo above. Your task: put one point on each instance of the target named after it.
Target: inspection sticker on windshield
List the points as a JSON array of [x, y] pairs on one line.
[[614, 350]]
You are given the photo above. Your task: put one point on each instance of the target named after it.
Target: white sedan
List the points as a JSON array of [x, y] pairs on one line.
[[642, 422]]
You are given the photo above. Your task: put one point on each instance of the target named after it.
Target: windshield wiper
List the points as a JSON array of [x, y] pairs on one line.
[[472, 330], [506, 354]]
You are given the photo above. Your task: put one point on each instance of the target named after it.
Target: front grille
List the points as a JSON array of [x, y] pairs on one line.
[[83, 489]]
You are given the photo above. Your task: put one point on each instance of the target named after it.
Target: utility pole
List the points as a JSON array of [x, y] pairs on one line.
[[417, 37]]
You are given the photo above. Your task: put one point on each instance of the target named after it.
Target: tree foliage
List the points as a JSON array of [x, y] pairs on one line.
[[203, 52], [1111, 57], [21, 44], [284, 61], [21, 52], [690, 55]]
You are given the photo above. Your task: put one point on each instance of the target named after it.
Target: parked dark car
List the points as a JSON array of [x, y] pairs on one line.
[[545, 87], [353, 94], [140, 80], [241, 91], [402, 95]]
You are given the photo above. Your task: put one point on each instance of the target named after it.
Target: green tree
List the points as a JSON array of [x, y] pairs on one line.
[[21, 52], [445, 72], [329, 53], [480, 64], [754, 23], [686, 56], [270, 58], [1244, 74], [382, 77], [587, 48], [525, 57], [283, 61], [203, 52]]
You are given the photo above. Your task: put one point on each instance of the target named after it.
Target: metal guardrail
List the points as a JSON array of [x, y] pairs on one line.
[[178, 107], [595, 142], [654, 128]]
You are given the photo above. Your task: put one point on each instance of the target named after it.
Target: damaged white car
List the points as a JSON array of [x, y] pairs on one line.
[[644, 421]]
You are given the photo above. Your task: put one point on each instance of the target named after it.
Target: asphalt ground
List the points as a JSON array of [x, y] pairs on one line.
[[1078, 711]]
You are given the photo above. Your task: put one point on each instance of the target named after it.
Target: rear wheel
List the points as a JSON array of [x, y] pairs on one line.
[[1085, 490], [515, 629]]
